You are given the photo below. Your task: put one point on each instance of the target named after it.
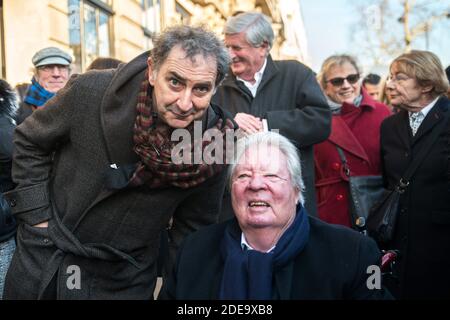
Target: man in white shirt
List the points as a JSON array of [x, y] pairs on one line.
[[264, 95]]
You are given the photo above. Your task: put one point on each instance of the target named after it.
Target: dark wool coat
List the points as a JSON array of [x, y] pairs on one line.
[[63, 152], [422, 233], [357, 132], [8, 106], [25, 110], [333, 265], [291, 100]]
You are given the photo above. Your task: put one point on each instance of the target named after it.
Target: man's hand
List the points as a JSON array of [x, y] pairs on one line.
[[248, 123], [41, 225]]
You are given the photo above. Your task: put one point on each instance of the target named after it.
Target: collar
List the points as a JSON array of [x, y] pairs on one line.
[[246, 246], [427, 108], [258, 77]]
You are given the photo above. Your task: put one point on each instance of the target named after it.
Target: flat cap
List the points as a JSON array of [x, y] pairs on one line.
[[51, 55]]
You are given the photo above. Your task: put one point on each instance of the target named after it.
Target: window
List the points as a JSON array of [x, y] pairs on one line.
[[151, 21], [184, 14], [89, 31]]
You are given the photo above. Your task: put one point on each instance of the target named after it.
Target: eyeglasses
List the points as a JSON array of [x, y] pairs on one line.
[[51, 67], [399, 78], [351, 78]]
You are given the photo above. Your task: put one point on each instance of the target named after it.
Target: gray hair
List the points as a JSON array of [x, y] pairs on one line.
[[194, 41], [335, 60], [283, 144], [257, 27]]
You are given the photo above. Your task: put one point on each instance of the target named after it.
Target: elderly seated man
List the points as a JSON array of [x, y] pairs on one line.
[[272, 249]]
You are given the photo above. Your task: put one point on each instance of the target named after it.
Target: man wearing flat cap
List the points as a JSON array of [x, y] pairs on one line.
[[51, 73]]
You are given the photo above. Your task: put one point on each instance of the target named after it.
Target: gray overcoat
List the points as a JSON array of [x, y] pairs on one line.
[[110, 238]]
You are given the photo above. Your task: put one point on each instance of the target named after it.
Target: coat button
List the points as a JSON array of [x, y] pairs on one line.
[[46, 241], [336, 166], [12, 203], [339, 197]]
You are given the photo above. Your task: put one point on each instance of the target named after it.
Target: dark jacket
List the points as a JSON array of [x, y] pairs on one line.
[[333, 265], [422, 233], [25, 110], [291, 100], [63, 154], [8, 107], [357, 132]]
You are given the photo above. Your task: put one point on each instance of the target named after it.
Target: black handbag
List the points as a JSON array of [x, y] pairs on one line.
[[364, 192], [383, 215]]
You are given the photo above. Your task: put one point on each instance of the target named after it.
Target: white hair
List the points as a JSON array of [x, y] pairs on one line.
[[284, 146]]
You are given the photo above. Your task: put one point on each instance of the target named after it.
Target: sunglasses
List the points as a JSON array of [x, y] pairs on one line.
[[351, 78]]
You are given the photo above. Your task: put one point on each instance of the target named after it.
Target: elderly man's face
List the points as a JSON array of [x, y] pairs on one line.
[[182, 87], [52, 77], [262, 192], [246, 60]]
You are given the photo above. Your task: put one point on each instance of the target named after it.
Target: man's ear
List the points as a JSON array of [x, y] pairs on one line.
[[266, 48], [151, 71]]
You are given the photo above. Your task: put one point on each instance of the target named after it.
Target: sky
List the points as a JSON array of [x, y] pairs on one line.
[[329, 25]]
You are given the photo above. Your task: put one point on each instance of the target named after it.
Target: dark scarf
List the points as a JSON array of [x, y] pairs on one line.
[[154, 147], [37, 95], [248, 274]]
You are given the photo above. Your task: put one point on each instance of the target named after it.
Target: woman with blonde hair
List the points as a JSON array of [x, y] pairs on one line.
[[422, 233], [354, 135]]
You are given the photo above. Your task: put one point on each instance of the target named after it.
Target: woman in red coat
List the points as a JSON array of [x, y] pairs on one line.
[[355, 129]]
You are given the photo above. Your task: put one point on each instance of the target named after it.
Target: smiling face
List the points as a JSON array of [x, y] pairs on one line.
[[183, 87], [346, 92], [262, 192], [246, 60], [52, 77]]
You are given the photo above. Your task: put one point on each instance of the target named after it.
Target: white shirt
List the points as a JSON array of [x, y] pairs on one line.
[[246, 246], [254, 87], [258, 77], [428, 108], [416, 121]]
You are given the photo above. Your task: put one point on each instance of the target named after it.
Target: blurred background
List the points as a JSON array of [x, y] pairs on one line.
[[375, 31]]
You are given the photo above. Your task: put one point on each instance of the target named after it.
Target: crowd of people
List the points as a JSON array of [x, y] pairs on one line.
[[89, 176]]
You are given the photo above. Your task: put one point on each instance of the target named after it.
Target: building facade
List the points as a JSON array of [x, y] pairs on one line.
[[124, 28]]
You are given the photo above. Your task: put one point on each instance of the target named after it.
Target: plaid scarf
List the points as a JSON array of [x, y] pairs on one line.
[[154, 147], [37, 95]]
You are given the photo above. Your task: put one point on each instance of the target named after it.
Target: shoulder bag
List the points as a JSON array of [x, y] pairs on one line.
[[364, 192], [382, 218]]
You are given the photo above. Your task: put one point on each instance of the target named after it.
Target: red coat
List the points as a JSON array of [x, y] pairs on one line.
[[357, 132]]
